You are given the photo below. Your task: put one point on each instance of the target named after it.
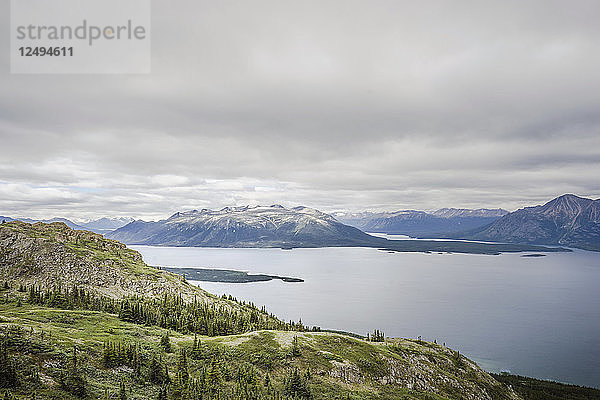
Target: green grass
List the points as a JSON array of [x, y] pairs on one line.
[[340, 365], [52, 334]]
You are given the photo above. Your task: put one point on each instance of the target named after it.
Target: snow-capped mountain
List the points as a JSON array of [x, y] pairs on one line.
[[259, 226], [467, 212], [422, 223], [566, 220]]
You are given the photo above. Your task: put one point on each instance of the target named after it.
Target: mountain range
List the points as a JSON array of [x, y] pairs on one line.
[[567, 220], [277, 226], [422, 223], [105, 225], [65, 221], [259, 226]]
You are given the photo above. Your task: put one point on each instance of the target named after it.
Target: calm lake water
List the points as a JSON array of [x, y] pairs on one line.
[[538, 317]]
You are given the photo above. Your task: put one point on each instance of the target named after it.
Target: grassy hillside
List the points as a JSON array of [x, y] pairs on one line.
[[84, 317], [50, 254], [40, 342]]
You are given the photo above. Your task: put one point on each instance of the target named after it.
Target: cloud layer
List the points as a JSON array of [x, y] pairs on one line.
[[336, 105]]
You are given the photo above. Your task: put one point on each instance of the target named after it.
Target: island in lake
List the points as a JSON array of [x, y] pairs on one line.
[[225, 275]]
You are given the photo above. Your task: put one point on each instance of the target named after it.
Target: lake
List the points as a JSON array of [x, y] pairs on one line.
[[534, 316]]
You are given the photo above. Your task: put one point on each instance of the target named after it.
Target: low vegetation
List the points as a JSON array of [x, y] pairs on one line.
[[536, 389], [69, 354], [128, 331]]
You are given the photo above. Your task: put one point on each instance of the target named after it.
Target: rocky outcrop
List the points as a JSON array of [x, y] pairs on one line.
[[412, 364], [53, 254]]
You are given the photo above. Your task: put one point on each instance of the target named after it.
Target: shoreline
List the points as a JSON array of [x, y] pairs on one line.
[[226, 275]]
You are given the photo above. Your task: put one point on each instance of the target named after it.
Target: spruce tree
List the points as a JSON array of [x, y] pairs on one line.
[[295, 385], [182, 376], [295, 347], [156, 371], [166, 376], [165, 343], [122, 390], [214, 378], [72, 380], [196, 352], [8, 372]]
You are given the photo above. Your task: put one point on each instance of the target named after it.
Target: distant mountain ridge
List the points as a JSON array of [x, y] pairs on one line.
[[65, 221], [101, 225], [468, 212], [422, 223], [567, 220], [105, 225], [258, 226], [277, 226]]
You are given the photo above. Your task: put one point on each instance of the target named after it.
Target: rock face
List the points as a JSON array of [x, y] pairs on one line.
[[567, 220], [272, 226], [412, 364], [51, 254], [421, 223]]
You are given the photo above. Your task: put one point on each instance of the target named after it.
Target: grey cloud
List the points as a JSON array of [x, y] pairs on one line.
[[336, 105]]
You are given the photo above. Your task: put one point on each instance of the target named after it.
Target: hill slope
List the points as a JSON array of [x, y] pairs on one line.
[[101, 225], [53, 254], [56, 348], [566, 220], [65, 221]]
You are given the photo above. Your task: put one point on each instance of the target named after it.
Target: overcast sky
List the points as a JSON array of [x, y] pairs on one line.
[[380, 105]]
